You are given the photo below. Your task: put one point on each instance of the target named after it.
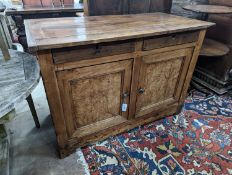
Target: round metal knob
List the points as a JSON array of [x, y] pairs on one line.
[[141, 90]]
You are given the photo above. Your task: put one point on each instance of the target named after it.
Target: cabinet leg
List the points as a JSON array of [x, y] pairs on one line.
[[179, 108], [33, 111]]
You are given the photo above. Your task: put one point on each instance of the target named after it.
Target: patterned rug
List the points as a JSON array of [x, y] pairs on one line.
[[195, 142]]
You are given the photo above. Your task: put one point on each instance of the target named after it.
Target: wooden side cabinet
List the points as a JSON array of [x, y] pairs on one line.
[[104, 89], [96, 93], [104, 75], [93, 97]]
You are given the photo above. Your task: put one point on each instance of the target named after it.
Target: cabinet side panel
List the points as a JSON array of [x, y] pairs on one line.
[[53, 96], [192, 65]]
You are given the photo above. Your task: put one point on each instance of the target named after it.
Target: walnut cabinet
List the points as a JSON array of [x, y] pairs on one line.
[[93, 96], [103, 82], [98, 94]]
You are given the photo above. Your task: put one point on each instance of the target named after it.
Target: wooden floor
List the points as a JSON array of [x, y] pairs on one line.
[[33, 151]]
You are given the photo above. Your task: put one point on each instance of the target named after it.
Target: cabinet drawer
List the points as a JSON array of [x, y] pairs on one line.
[[91, 51], [169, 40]]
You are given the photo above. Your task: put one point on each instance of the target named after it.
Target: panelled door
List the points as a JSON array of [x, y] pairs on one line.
[[92, 97], [161, 79]]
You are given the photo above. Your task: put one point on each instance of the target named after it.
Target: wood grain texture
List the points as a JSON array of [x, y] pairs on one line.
[[20, 14], [122, 127], [192, 65], [85, 88], [135, 77], [53, 96], [47, 33], [18, 77], [114, 58], [92, 94], [159, 77], [170, 40], [92, 51], [96, 99], [210, 9]]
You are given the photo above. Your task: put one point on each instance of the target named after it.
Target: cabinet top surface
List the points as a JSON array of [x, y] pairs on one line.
[[66, 32]]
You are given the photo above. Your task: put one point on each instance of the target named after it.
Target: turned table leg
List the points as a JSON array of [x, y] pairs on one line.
[[4, 143]]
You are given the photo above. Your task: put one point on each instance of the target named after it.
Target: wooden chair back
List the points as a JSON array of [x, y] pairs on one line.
[[119, 7], [5, 40], [6, 37], [47, 3]]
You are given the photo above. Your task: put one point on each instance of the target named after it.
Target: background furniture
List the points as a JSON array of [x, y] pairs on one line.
[[18, 77], [214, 68], [47, 3], [209, 9], [6, 36], [2, 7], [106, 74], [119, 7], [19, 14]]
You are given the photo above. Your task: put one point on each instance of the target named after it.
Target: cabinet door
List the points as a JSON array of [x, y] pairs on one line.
[[92, 96], [161, 79]]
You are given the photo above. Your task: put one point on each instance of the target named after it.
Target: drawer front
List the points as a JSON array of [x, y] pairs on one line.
[[91, 51], [169, 40]]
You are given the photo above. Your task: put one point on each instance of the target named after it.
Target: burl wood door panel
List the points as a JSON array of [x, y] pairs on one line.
[[161, 79], [92, 96]]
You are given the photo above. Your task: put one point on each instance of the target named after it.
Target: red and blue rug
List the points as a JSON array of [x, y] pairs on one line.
[[195, 142]]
